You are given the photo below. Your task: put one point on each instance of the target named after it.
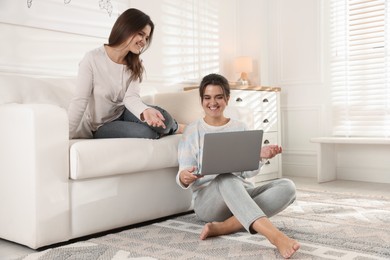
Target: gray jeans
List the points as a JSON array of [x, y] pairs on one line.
[[129, 126], [226, 196]]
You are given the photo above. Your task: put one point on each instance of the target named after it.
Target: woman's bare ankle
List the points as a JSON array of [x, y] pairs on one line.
[[180, 128]]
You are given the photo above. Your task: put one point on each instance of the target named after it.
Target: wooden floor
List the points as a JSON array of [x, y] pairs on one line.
[[9, 250]]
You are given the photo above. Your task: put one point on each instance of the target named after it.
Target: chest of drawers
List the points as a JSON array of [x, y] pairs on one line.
[[265, 104]]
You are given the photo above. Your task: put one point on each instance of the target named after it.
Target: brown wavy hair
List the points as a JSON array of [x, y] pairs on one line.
[[128, 24], [215, 79]]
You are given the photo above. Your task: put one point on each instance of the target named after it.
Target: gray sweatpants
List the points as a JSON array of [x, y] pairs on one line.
[[226, 196]]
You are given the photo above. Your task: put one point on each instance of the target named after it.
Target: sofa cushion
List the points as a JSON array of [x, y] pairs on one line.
[[91, 158]]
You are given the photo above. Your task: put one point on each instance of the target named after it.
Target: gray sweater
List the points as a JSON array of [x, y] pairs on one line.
[[103, 90]]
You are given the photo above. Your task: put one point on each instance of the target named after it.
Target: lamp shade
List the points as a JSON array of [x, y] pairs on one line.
[[243, 64]]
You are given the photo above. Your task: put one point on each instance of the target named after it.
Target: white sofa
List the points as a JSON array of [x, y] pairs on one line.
[[53, 189]]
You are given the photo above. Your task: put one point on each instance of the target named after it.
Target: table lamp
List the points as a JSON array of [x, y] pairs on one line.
[[243, 65]]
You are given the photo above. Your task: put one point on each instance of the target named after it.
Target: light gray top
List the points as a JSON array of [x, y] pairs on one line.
[[103, 90]]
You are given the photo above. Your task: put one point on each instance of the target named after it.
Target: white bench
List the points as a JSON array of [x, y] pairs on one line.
[[326, 158]]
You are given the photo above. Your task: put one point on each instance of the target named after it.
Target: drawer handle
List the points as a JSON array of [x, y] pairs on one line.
[[265, 100], [238, 99], [267, 162], [266, 141], [265, 121]]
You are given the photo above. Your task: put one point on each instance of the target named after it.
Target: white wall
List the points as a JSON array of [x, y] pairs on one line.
[[252, 37], [49, 38], [297, 62], [296, 65]]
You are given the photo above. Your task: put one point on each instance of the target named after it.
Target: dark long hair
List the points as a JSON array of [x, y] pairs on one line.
[[214, 79], [128, 24]]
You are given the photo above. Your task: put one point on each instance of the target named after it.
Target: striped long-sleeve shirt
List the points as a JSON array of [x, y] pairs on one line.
[[191, 151]]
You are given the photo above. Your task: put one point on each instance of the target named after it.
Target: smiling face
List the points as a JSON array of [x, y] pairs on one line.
[[138, 41], [214, 103], [132, 32]]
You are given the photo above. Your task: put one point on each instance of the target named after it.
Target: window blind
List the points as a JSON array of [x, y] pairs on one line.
[[190, 39], [360, 67]]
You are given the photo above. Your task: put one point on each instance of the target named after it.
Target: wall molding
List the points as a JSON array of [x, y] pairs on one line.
[[311, 60], [299, 152], [299, 155], [312, 114]]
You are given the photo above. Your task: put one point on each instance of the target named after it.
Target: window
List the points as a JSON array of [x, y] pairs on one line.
[[190, 39], [360, 67]]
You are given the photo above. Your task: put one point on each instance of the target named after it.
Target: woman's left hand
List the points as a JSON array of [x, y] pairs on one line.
[[270, 151], [153, 117]]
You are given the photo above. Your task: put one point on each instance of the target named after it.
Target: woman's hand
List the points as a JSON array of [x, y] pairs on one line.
[[153, 117], [270, 151], [188, 176]]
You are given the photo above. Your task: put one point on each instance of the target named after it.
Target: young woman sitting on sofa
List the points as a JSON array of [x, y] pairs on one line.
[[107, 101], [229, 202]]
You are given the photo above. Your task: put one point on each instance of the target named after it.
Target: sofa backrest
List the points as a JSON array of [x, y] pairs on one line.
[[57, 91], [184, 106], [24, 89]]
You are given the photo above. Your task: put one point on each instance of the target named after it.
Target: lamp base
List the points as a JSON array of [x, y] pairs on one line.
[[242, 82]]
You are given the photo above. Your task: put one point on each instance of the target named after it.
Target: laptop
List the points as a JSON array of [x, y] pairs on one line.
[[228, 152]]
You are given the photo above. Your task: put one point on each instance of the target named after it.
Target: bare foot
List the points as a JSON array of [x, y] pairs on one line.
[[207, 231], [286, 246], [214, 229], [180, 128], [229, 226]]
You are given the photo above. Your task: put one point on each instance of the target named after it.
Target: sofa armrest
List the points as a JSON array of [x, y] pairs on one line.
[[34, 171]]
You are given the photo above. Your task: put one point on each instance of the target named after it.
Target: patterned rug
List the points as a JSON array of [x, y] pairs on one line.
[[328, 226]]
